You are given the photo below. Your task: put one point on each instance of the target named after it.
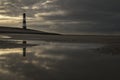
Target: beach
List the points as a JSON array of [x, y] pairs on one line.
[[67, 38], [56, 57], [60, 40]]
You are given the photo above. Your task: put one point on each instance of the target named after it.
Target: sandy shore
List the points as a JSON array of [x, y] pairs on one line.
[[66, 38], [72, 60], [28, 34]]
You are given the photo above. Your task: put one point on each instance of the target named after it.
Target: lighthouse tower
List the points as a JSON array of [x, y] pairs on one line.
[[24, 21]]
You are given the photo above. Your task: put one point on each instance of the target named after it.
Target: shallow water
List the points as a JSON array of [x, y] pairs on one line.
[[41, 60]]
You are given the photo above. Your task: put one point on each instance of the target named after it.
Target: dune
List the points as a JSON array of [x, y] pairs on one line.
[[22, 31]]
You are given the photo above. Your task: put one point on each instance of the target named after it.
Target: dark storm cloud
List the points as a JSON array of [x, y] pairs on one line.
[[89, 9], [103, 14]]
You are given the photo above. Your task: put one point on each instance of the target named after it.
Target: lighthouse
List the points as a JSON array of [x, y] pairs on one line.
[[24, 21]]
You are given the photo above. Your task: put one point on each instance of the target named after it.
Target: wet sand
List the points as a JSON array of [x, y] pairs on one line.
[[67, 38], [58, 57]]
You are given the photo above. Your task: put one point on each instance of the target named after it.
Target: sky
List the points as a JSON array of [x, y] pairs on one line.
[[63, 16]]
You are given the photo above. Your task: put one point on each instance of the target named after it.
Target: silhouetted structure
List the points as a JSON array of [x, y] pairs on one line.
[[24, 48], [24, 21]]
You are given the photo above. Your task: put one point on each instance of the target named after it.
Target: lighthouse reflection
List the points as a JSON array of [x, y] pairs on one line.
[[24, 48], [15, 47]]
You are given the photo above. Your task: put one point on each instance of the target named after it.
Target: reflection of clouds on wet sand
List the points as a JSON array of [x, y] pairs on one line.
[[4, 37], [57, 61], [12, 51], [28, 68], [42, 60], [14, 65]]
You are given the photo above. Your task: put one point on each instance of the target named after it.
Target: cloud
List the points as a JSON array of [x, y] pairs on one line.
[[104, 15], [67, 16]]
